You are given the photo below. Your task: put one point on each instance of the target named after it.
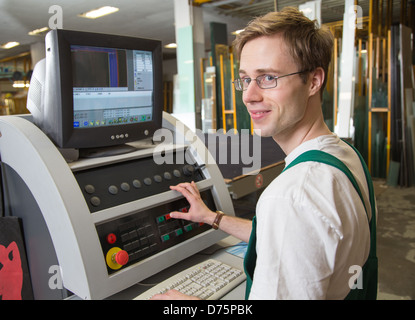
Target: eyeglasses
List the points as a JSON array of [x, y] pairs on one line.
[[265, 81]]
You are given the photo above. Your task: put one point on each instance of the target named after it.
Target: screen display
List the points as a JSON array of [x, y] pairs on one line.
[[111, 86]]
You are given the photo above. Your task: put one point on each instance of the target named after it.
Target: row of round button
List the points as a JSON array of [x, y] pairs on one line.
[[119, 136], [89, 188]]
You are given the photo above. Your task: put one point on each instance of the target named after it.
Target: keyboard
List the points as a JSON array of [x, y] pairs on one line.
[[208, 280]]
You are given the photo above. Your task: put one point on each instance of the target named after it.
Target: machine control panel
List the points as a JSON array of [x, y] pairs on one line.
[[115, 184], [137, 235], [105, 221], [147, 232]]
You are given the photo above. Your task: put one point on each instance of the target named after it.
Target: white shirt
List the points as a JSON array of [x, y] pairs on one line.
[[311, 227]]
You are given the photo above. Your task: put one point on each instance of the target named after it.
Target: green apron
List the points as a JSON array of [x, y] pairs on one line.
[[370, 268]]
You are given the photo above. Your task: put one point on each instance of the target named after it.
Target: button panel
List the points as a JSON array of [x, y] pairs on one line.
[[108, 186], [170, 228]]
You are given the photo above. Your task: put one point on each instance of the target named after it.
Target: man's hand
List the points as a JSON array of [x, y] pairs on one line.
[[198, 211]]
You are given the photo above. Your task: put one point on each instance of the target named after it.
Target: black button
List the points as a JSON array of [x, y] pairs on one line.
[[95, 201], [113, 189], [89, 188], [125, 186], [188, 170]]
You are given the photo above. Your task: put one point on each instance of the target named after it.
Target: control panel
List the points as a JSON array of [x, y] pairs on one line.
[[111, 185], [131, 238]]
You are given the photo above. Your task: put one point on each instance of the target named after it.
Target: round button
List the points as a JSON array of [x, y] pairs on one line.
[[89, 188], [136, 183], [188, 170], [176, 173], [121, 257], [95, 201], [125, 186], [167, 175], [113, 189], [111, 238], [147, 181], [157, 178]]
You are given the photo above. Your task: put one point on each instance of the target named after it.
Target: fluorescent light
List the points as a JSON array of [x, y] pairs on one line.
[[9, 45], [171, 46], [21, 84], [97, 13], [38, 31]]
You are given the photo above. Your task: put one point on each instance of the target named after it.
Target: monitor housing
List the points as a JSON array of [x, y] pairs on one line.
[[96, 90]]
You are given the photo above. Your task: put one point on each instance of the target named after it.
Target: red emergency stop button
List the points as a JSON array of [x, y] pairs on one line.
[[121, 257], [116, 258]]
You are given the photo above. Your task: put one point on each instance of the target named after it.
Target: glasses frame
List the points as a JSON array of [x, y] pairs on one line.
[[238, 83]]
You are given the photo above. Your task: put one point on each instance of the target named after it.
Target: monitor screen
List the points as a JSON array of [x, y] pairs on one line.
[[111, 86], [100, 90]]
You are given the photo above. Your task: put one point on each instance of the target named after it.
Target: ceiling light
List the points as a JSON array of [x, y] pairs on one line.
[[97, 13], [38, 31], [171, 46], [21, 84], [9, 45]]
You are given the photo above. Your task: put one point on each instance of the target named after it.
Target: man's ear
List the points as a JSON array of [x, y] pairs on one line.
[[317, 80]]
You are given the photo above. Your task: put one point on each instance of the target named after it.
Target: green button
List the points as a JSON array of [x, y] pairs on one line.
[[165, 237], [188, 228], [179, 232], [160, 219]]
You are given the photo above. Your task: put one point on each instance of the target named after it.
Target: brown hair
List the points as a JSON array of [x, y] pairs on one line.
[[309, 45]]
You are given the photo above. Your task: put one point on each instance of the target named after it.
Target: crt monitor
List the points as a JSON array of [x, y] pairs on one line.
[[97, 90]]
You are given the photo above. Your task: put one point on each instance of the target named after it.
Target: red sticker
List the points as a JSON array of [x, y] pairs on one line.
[[259, 180]]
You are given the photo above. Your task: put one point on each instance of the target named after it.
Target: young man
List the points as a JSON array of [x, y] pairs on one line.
[[311, 225]]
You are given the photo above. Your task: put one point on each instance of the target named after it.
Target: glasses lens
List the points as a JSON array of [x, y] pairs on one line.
[[267, 82]]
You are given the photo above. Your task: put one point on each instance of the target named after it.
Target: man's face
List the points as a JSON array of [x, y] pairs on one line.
[[276, 112]]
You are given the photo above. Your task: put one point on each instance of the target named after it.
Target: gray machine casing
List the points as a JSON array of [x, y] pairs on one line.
[[64, 231]]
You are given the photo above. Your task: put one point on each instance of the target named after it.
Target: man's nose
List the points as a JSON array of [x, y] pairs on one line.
[[253, 92]]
